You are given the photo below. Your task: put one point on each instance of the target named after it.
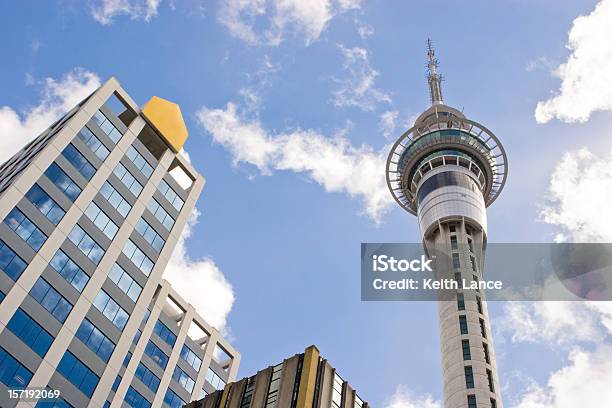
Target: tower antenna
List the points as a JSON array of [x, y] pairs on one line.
[[434, 79]]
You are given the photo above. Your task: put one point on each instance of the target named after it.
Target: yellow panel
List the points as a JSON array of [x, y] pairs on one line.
[[308, 378], [167, 119]]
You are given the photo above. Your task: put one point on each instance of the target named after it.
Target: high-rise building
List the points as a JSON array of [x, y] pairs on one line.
[[446, 170], [92, 210], [304, 380]]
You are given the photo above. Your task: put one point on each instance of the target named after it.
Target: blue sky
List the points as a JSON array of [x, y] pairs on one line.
[[273, 96]]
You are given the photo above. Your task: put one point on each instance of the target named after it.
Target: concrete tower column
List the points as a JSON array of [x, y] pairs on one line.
[[446, 170]]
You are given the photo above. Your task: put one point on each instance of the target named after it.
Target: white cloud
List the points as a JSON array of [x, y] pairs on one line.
[[388, 122], [586, 75], [539, 63], [58, 97], [333, 162], [265, 22], [405, 398], [364, 30], [357, 87], [580, 192], [200, 281], [585, 382], [105, 11]]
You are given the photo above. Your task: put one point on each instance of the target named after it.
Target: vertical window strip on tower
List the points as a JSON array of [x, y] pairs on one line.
[[471, 399], [245, 402], [337, 391], [460, 301], [45, 204], [485, 347], [490, 380], [25, 228], [463, 326], [469, 377], [465, 345], [275, 380]]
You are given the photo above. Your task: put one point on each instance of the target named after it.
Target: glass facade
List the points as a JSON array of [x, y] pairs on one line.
[[45, 204], [164, 333], [78, 374], [111, 310], [13, 374], [147, 377], [63, 182], [97, 342], [51, 300], [30, 332], [69, 270], [25, 228]]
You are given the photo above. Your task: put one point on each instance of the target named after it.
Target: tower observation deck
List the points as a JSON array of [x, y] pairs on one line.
[[446, 170]]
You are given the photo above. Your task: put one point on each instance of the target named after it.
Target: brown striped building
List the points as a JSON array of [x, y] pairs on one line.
[[304, 380]]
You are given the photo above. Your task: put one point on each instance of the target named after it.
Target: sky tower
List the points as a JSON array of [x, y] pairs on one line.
[[446, 170]]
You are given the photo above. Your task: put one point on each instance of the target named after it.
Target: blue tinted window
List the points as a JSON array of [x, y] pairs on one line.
[[127, 359], [63, 182], [93, 143], [162, 215], [139, 161], [191, 358], [50, 299], [150, 235], [45, 204], [78, 374], [173, 400], [12, 373], [2, 296], [25, 228], [115, 199], [125, 282], [30, 332], [101, 220], [173, 198], [137, 336], [156, 354], [86, 244], [69, 270], [165, 333], [183, 379], [97, 342], [147, 377], [128, 179], [109, 308], [79, 161], [214, 379], [107, 126], [116, 383], [135, 400], [10, 262], [138, 258]]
